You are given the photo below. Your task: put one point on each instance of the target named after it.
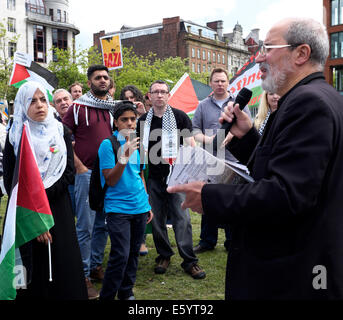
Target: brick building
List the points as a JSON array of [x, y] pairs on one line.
[[206, 47], [333, 19]]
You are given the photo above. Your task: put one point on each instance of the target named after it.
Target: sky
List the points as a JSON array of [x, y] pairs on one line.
[[110, 15]]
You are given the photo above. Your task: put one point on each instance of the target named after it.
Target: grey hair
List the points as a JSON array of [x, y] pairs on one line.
[[62, 90], [311, 32]]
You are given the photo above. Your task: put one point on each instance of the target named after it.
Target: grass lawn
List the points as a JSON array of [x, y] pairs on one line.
[[175, 284]]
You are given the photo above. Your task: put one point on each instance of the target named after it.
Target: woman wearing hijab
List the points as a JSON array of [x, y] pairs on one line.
[[54, 154]]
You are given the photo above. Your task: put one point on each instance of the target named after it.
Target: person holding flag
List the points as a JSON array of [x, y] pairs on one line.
[[39, 203]]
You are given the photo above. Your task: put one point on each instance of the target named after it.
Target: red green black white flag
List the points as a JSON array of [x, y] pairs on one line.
[[28, 214], [24, 69]]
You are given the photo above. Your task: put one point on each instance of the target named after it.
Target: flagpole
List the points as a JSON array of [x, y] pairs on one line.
[[50, 269]]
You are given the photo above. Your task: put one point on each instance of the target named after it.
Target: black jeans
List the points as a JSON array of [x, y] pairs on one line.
[[126, 232], [166, 204]]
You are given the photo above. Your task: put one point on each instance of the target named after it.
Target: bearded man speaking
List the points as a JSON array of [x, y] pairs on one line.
[[287, 239]]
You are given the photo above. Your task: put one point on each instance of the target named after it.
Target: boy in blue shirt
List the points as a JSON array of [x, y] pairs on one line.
[[126, 205]]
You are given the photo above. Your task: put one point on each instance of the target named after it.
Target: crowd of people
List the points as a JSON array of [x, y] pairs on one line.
[[277, 229]]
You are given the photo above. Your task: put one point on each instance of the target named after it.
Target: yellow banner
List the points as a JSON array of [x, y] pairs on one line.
[[111, 52]]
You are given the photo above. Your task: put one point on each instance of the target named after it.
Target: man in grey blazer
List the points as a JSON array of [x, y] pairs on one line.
[[287, 239]]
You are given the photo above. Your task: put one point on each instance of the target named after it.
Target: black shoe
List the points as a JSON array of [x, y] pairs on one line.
[[199, 249]]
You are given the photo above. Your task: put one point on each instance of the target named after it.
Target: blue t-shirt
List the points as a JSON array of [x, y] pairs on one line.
[[128, 195]]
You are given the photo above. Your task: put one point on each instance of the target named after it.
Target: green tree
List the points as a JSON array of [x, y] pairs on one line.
[[71, 66], [6, 63], [142, 71]]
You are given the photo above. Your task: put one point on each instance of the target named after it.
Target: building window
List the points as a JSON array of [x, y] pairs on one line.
[[59, 15], [338, 78], [209, 56], [204, 68], [209, 69], [11, 4], [218, 58], [59, 40], [203, 55], [39, 43], [193, 67], [11, 25], [223, 60], [337, 45], [214, 57], [193, 53], [65, 16], [36, 6], [198, 53], [51, 14], [336, 12], [12, 48], [199, 68]]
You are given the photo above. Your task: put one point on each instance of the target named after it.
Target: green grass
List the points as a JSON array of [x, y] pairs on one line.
[[175, 284]]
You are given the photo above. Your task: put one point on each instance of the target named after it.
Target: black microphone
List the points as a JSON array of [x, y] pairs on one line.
[[242, 99]]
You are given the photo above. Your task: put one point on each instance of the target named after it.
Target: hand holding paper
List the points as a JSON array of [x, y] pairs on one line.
[[192, 191]]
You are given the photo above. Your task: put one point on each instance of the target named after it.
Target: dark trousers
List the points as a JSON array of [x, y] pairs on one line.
[[126, 232], [209, 233], [166, 204]]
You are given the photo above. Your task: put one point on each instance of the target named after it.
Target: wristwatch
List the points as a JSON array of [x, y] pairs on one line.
[[123, 160]]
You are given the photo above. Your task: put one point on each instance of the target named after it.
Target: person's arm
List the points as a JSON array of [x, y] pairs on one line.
[[113, 175], [79, 166]]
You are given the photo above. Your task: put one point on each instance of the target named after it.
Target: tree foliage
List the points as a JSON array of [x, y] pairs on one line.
[[71, 66], [6, 63], [142, 71]]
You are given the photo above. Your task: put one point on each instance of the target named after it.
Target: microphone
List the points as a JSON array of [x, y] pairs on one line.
[[242, 99]]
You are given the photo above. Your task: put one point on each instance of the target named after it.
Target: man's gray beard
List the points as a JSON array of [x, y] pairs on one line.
[[273, 83]]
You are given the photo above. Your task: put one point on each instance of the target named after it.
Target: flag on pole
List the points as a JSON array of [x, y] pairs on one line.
[[28, 214], [187, 93], [24, 69]]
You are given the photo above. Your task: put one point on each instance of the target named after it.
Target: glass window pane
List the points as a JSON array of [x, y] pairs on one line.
[[334, 12], [334, 45], [340, 45]]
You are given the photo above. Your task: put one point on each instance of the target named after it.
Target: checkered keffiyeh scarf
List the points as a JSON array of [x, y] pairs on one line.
[[264, 123], [169, 128], [89, 100]]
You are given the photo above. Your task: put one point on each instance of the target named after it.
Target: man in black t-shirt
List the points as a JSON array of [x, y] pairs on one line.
[[162, 130]]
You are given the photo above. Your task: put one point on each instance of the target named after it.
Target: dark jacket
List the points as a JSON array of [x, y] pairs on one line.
[[287, 226]]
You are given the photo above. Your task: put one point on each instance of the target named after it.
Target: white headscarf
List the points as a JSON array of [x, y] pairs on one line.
[[46, 136]]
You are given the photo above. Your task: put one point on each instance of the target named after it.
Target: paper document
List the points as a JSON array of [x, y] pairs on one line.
[[196, 164]]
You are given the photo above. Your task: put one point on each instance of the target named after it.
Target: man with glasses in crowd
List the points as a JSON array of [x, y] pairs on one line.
[[159, 130], [287, 239]]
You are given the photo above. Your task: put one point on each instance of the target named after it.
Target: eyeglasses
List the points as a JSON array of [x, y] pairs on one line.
[[265, 47], [162, 92]]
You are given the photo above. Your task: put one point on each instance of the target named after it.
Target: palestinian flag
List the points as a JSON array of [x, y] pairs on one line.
[[187, 93], [25, 69], [248, 76], [28, 214]]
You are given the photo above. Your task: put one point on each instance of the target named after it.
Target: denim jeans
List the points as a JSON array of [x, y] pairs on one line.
[[88, 240], [209, 234], [166, 204], [72, 196], [99, 240], [126, 233]]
